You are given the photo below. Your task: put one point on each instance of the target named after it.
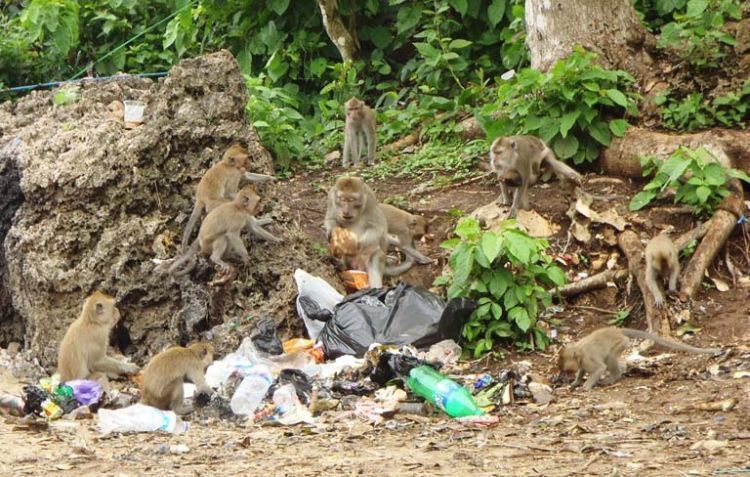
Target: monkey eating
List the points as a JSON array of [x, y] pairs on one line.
[[221, 230], [600, 351], [662, 261], [83, 350], [517, 161], [360, 121], [219, 185], [161, 383], [403, 231]]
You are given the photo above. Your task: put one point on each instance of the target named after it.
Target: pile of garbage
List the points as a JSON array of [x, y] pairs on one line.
[[372, 355]]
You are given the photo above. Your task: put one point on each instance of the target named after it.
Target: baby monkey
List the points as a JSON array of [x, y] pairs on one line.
[[360, 121], [517, 161], [600, 351], [661, 261]]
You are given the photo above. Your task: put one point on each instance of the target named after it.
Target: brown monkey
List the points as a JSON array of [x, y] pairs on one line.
[[600, 351], [662, 260], [219, 185], [83, 350], [360, 121], [161, 383], [517, 161], [221, 229], [405, 228], [352, 206]]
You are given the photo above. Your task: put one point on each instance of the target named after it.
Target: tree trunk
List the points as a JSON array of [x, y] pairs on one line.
[[610, 28], [337, 32], [621, 158]]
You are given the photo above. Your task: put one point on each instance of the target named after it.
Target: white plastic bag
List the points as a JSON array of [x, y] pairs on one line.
[[321, 292]]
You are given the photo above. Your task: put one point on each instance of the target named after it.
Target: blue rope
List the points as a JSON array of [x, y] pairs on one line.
[[52, 84]]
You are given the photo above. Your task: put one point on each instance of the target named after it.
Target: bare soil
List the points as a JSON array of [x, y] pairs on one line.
[[637, 427]]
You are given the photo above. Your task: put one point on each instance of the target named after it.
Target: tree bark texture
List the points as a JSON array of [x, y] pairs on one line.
[[337, 31], [656, 318], [621, 158], [607, 27]]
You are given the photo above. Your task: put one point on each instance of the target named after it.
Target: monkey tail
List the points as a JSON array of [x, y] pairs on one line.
[[189, 258], [393, 271], [561, 169], [194, 216], [631, 333]]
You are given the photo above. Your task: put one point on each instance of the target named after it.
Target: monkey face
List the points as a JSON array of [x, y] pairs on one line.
[[418, 226], [567, 361], [349, 204], [354, 110]]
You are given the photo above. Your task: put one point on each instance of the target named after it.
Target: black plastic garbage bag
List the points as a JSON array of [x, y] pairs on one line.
[[401, 315], [265, 338]]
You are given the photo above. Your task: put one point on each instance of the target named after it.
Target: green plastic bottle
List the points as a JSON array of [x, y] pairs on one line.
[[449, 396]]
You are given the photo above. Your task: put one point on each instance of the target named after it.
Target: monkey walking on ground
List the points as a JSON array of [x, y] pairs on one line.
[[662, 261], [221, 230], [83, 350], [600, 351], [219, 185], [163, 377], [517, 161], [360, 121]]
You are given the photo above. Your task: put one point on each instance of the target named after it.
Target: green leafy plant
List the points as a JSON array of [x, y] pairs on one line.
[[504, 271], [570, 107], [620, 318], [697, 35], [696, 175], [66, 96], [696, 112]]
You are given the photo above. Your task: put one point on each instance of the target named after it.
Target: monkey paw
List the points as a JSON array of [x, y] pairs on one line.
[[131, 368], [425, 261]]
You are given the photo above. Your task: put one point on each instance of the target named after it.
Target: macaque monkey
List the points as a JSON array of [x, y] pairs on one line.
[[83, 350], [219, 185], [600, 351], [661, 261], [517, 161], [352, 206], [161, 383], [360, 121], [221, 230], [405, 228]]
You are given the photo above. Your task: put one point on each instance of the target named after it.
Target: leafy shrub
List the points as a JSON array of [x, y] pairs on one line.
[[568, 107], [697, 35], [504, 272], [696, 175], [696, 112]]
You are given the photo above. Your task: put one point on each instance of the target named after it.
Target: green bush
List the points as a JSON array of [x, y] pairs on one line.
[[570, 107], [697, 35], [696, 112], [696, 175], [504, 272]]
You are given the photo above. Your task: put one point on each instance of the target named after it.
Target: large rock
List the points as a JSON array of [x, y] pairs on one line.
[[96, 203]]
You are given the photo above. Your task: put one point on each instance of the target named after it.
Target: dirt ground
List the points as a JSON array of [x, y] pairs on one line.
[[651, 423]]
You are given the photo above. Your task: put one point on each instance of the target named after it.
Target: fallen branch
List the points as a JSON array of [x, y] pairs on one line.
[[593, 282], [406, 141], [722, 224], [631, 246]]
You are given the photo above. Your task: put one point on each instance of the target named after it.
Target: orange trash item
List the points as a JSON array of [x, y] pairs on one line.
[[297, 344], [355, 280]]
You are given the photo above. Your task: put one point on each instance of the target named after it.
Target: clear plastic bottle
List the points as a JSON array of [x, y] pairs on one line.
[[250, 393], [285, 398], [139, 418], [443, 392]]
